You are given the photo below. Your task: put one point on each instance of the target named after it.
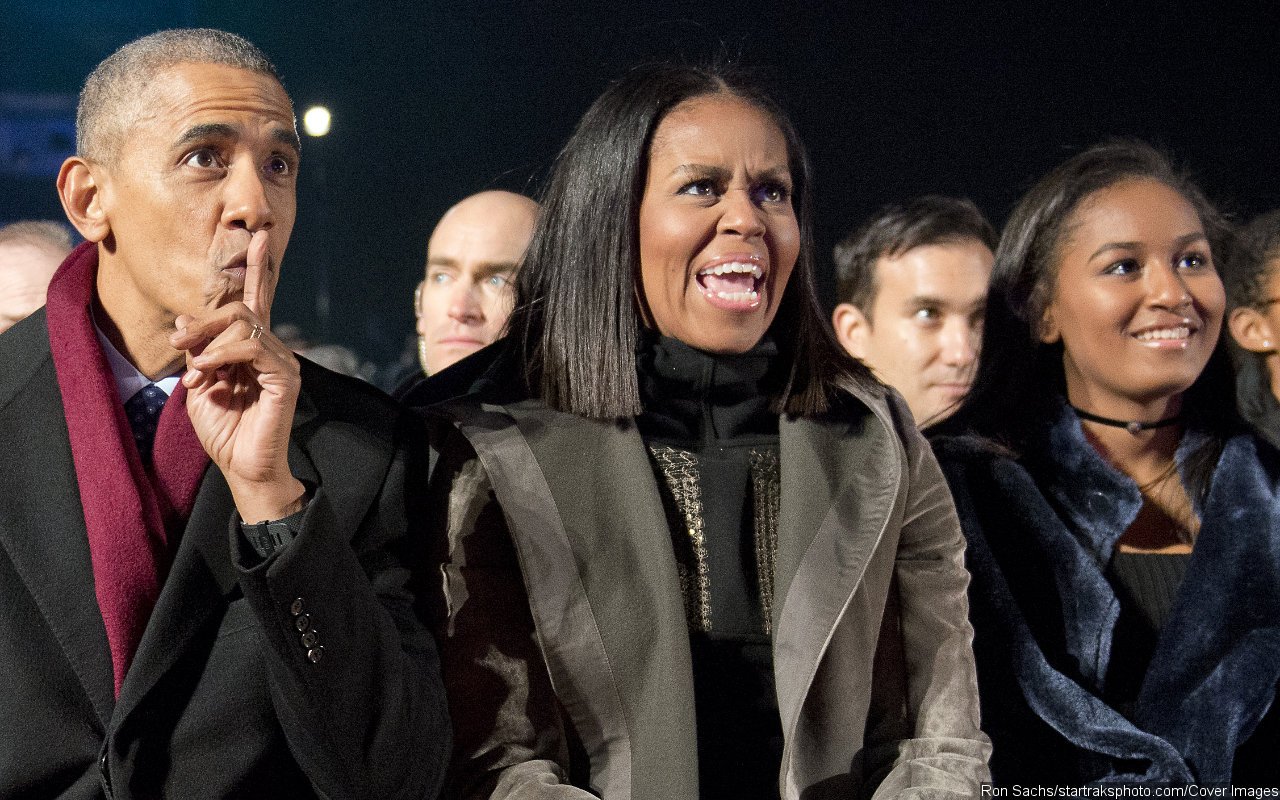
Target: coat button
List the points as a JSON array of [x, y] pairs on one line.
[[309, 639], [315, 654], [296, 607], [106, 775], [302, 622]]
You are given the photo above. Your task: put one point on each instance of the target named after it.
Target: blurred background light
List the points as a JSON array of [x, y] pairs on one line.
[[316, 121]]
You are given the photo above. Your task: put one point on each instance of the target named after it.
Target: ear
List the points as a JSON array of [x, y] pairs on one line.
[[852, 329], [80, 190], [1252, 330], [1048, 329]]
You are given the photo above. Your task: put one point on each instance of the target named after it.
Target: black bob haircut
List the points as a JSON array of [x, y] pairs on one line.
[[1020, 379], [577, 320], [897, 228]]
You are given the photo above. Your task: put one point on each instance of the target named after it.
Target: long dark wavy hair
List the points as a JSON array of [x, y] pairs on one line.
[[577, 321], [1020, 381]]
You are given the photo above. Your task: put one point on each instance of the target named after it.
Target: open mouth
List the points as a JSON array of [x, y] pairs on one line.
[[1163, 333], [1173, 336], [735, 284]]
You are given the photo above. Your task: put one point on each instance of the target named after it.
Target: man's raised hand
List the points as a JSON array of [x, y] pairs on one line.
[[242, 388]]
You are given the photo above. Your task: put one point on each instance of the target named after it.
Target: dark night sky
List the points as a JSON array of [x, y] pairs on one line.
[[434, 101]]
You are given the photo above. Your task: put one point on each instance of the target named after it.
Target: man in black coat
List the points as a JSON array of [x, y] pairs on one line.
[[203, 541]]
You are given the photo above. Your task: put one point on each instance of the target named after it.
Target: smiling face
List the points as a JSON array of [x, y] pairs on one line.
[[718, 234], [1137, 302], [212, 160]]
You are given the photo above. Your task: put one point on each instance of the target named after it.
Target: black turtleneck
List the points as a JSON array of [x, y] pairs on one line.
[[714, 446]]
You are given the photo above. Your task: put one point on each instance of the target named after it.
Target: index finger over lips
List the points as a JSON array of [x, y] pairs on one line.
[[259, 278]]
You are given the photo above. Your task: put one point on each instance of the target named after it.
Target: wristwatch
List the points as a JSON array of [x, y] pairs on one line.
[[270, 536]]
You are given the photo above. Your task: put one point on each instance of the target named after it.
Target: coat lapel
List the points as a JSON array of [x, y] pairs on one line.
[[602, 576], [42, 530], [837, 501], [203, 580], [41, 522], [584, 511], [1216, 666], [197, 588]]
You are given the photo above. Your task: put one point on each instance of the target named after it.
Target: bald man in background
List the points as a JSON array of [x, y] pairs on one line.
[[30, 253], [466, 296]]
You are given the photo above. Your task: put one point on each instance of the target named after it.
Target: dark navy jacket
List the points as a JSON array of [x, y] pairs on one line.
[[1041, 529]]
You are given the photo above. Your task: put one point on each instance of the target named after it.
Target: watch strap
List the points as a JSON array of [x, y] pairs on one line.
[[272, 535]]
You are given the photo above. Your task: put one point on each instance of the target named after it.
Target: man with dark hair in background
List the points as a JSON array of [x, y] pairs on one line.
[[203, 540], [30, 252], [912, 286]]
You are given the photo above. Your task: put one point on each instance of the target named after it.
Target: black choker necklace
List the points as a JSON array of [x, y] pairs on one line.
[[1134, 426]]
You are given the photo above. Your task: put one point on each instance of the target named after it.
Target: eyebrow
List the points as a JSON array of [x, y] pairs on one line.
[[720, 173], [485, 270], [494, 267], [221, 130], [702, 169], [927, 301], [1180, 242], [288, 138]]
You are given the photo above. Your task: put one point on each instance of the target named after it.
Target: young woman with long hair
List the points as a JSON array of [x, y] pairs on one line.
[[1122, 531]]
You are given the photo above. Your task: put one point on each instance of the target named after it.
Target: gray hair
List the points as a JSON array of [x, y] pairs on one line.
[[114, 94], [41, 233]]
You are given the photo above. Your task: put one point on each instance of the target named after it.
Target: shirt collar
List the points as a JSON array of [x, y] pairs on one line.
[[129, 381]]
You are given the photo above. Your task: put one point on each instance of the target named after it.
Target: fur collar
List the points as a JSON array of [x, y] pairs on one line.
[[1215, 669]]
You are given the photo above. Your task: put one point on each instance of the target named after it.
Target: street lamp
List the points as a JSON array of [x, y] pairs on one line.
[[316, 121]]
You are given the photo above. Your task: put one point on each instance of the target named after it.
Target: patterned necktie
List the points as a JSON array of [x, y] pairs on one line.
[[143, 411]]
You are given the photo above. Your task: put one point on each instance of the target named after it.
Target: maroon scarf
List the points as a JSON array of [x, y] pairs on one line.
[[130, 511]]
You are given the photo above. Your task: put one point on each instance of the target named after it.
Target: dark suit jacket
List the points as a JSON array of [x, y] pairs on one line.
[[221, 699]]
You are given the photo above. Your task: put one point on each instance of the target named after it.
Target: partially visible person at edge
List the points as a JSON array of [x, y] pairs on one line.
[[912, 286], [203, 540], [30, 252], [1121, 522], [695, 549], [1253, 302]]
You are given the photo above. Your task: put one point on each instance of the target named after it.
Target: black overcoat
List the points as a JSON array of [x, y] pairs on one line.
[[221, 699]]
